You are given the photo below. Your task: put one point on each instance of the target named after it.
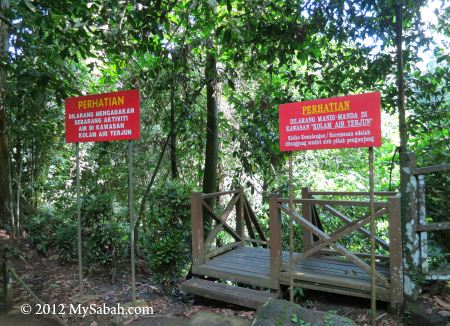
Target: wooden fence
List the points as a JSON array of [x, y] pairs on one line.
[[328, 243], [245, 228], [418, 215]]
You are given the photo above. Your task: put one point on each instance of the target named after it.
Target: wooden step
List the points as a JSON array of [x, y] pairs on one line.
[[227, 293]]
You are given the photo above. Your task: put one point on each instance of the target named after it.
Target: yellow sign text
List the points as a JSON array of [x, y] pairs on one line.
[[326, 108], [101, 102]]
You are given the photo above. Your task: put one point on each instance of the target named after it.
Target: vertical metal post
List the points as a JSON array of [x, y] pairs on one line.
[[131, 211], [373, 291], [291, 231], [80, 255]]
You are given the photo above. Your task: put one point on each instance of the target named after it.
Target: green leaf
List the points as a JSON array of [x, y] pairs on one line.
[[294, 318]]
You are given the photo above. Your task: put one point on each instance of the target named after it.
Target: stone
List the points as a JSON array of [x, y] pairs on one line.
[[284, 313], [444, 313], [211, 319], [418, 315]]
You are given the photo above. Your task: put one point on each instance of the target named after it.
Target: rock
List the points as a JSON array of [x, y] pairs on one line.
[[284, 313], [117, 321], [212, 319], [418, 315], [429, 311], [444, 313]]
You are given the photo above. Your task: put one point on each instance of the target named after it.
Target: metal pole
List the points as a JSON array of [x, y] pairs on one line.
[[80, 255], [373, 290], [131, 211], [291, 231]]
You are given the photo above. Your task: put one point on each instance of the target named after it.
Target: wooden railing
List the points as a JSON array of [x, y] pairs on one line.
[[245, 229], [418, 212], [389, 206]]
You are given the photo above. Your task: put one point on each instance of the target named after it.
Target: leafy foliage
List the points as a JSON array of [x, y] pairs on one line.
[[167, 243], [42, 229]]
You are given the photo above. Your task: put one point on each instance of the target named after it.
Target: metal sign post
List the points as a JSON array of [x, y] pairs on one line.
[[306, 126], [89, 119], [373, 290], [131, 211], [80, 255], [291, 231]]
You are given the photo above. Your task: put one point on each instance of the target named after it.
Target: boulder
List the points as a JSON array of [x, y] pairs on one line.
[[213, 319], [418, 315], [284, 313]]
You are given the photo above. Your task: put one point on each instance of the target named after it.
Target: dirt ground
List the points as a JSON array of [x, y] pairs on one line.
[[57, 285]]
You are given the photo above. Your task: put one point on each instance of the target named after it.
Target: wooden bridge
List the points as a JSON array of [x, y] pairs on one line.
[[237, 251]]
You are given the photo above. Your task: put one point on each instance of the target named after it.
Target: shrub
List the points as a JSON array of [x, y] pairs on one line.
[[66, 242], [106, 244], [167, 241], [41, 229]]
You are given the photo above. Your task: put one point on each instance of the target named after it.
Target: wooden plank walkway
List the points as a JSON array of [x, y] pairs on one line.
[[250, 265]]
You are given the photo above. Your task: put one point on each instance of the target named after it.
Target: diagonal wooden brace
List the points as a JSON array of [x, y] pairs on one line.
[[222, 221], [339, 248], [364, 231], [340, 233]]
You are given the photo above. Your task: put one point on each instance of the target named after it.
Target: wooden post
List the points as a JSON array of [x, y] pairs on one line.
[[409, 219], [198, 245], [395, 253], [240, 230], [423, 236], [275, 237], [8, 289], [308, 241]]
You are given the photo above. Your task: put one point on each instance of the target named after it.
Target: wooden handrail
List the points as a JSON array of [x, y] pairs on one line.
[[353, 193], [378, 204], [358, 254], [438, 226], [220, 193], [431, 169]]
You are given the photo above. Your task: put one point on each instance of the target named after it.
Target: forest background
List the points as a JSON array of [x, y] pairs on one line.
[[211, 76]]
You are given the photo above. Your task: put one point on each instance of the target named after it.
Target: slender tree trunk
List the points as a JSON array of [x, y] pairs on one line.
[[33, 177], [19, 190], [5, 181], [210, 171], [400, 76], [11, 204], [408, 184], [173, 138]]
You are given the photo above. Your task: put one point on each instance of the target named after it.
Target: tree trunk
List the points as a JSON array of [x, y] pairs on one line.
[[19, 189], [407, 180], [5, 194], [211, 151], [400, 76], [173, 138]]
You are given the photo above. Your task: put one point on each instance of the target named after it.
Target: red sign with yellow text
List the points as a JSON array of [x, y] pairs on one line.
[[103, 117], [339, 122]]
